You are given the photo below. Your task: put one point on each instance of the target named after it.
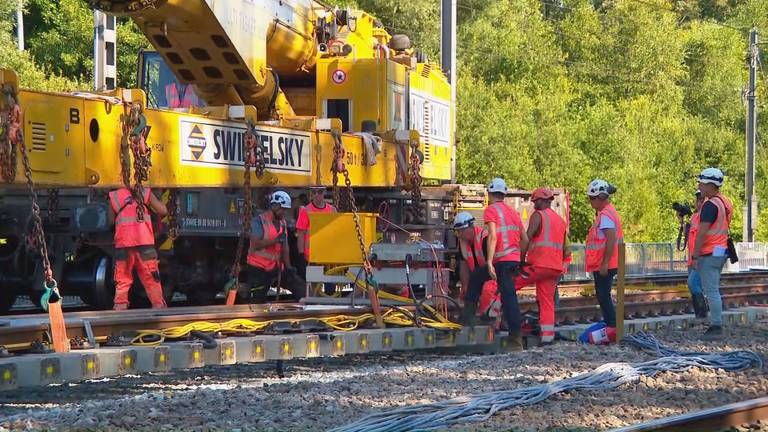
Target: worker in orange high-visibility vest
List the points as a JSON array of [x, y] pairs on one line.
[[698, 300], [186, 99], [710, 248], [135, 246], [473, 243], [506, 237], [602, 246], [544, 258], [317, 204], [269, 262]]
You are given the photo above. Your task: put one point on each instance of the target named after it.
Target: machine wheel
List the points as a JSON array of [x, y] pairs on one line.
[[102, 293]]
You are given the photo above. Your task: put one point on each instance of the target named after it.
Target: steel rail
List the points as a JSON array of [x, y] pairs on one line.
[[713, 419]]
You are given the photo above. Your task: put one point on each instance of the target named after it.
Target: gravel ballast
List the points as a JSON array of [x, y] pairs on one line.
[[324, 393]]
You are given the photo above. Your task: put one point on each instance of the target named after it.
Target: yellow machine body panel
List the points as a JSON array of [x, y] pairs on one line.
[[333, 238], [188, 150]]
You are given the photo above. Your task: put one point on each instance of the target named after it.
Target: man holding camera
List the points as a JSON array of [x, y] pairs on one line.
[[711, 245]]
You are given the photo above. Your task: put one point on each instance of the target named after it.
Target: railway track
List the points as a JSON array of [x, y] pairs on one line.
[[19, 332], [714, 419]]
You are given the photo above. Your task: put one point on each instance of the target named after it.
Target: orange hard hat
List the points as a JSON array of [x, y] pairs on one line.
[[542, 193]]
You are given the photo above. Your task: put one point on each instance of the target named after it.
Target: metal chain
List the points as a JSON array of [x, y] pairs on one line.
[[53, 204], [353, 206], [415, 174], [253, 156], [173, 215], [10, 124], [16, 135], [134, 143], [336, 167]]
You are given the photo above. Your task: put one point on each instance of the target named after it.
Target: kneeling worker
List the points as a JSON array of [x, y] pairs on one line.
[[135, 246], [545, 258], [473, 242], [268, 256]]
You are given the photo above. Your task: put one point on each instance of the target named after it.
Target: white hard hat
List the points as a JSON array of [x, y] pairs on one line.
[[712, 175], [281, 198], [463, 220], [598, 187], [497, 185]]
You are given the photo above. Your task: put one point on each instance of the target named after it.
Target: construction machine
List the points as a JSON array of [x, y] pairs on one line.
[[285, 93]]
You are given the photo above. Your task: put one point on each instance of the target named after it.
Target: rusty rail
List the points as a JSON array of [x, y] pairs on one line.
[[713, 419]]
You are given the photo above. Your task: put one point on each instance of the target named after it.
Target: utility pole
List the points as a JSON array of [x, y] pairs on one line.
[[448, 62], [104, 51], [751, 210], [20, 24]]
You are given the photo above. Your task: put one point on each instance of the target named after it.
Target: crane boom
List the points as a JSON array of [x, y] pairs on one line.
[[233, 51]]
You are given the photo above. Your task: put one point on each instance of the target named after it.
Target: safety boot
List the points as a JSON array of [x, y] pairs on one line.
[[469, 314], [700, 305], [514, 341], [713, 333]]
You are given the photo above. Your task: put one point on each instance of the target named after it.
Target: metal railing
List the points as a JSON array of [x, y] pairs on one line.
[[645, 259]]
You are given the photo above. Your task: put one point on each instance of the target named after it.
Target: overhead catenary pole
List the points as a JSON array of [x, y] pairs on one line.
[[751, 210], [20, 24], [448, 61], [104, 51]]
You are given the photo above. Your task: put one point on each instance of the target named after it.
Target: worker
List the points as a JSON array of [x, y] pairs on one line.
[[506, 237], [317, 204], [268, 259], [135, 246], [545, 259], [710, 248], [473, 241], [602, 248], [184, 99], [694, 280]]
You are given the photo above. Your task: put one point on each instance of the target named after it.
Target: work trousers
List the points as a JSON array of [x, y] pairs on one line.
[[143, 259], [709, 268], [260, 280], [603, 285], [694, 281], [545, 280], [505, 274]]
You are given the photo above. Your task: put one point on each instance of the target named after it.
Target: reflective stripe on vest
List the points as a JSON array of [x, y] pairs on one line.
[[547, 245], [129, 231], [505, 227], [692, 232], [595, 247], [477, 259], [717, 234], [269, 256]]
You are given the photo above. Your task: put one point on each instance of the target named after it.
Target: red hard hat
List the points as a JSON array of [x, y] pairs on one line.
[[542, 193]]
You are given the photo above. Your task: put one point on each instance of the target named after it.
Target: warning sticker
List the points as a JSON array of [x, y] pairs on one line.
[[339, 76]]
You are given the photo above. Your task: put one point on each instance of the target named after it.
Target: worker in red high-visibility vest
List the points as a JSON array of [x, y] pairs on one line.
[[269, 262], [506, 237], [317, 204], [473, 242], [710, 249], [184, 99], [602, 246], [135, 246], [544, 258]]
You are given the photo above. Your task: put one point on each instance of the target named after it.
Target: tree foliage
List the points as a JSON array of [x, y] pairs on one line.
[[642, 93]]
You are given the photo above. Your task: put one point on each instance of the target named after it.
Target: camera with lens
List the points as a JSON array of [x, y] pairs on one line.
[[682, 210]]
